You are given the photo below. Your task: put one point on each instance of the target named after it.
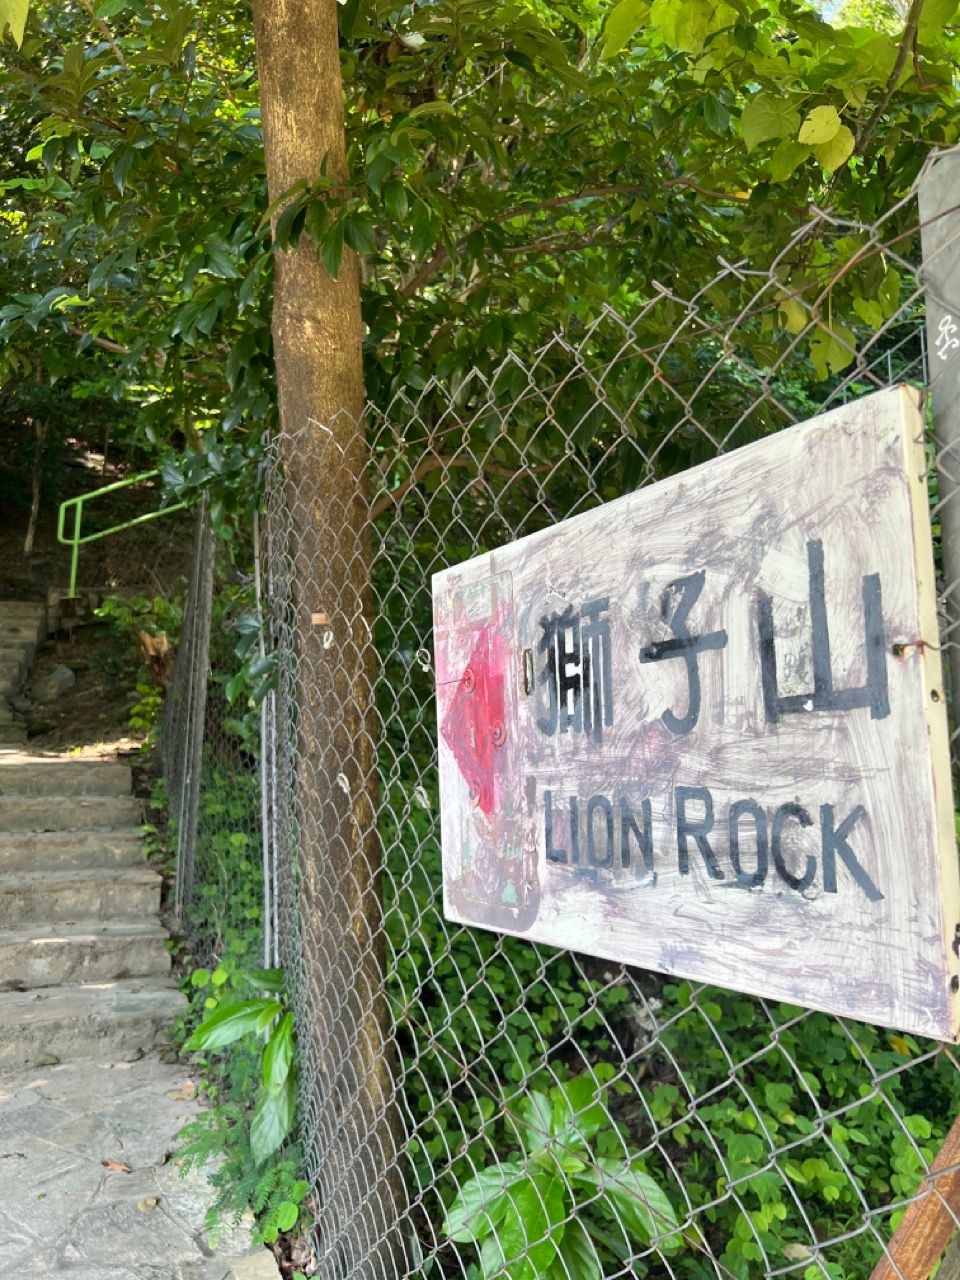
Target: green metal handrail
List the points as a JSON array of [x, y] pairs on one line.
[[75, 541]]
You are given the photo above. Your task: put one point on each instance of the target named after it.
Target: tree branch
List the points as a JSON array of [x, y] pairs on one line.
[[105, 32], [105, 344], [437, 463], [907, 42], [441, 255]]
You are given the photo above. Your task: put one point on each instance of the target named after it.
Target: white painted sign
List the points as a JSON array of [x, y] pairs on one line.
[[702, 729]]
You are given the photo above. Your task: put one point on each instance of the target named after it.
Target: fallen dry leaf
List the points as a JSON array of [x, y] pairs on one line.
[[147, 1204], [186, 1093], [116, 1166]]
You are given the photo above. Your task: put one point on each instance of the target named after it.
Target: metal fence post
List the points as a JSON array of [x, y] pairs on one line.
[[196, 656], [939, 197]]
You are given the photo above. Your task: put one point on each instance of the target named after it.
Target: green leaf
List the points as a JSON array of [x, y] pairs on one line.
[[264, 979], [110, 8], [767, 116], [578, 1258], [869, 311], [638, 1202], [795, 315], [532, 1226], [230, 1022], [831, 350], [934, 16], [684, 26], [623, 21], [287, 1214], [395, 200], [787, 157], [332, 250], [13, 14], [481, 1204], [278, 1053], [837, 151], [888, 294], [578, 1111], [272, 1120], [819, 125], [536, 1112]]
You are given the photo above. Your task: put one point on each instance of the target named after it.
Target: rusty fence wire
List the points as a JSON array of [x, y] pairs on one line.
[[473, 1105]]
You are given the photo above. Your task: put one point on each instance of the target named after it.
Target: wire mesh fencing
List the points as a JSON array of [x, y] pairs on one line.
[[210, 760], [474, 1104]]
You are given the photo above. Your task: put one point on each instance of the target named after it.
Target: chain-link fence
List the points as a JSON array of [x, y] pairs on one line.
[[210, 759], [478, 1105]]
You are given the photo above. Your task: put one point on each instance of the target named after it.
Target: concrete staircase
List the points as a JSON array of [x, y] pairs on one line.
[[84, 970]]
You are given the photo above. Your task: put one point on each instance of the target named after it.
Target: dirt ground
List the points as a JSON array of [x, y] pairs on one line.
[[91, 718]]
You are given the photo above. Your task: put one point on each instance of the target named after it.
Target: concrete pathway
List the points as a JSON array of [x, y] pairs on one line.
[[88, 1192], [88, 1112]]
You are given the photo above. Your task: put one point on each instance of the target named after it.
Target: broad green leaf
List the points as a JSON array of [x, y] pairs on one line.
[[795, 315], [637, 1201], [287, 1215], [230, 1022], [264, 979], [578, 1258], [869, 311], [332, 250], [888, 295], [13, 14], [278, 1053], [578, 1110], [532, 1227], [819, 125], [934, 16], [767, 116], [831, 350], [685, 25], [536, 1112], [623, 20], [272, 1120], [480, 1204], [787, 157], [837, 151], [110, 8]]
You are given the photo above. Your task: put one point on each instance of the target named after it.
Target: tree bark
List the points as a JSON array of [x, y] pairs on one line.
[[344, 1040], [40, 442]]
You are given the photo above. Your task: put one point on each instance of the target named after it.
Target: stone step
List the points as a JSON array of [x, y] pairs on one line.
[[69, 850], [95, 894], [68, 813], [32, 610], [115, 1021], [11, 678], [29, 776], [49, 955], [16, 650], [17, 632]]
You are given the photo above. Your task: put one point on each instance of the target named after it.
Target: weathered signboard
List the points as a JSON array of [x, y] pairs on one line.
[[702, 729]]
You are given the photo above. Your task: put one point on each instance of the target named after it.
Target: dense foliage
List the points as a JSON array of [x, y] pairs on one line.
[[514, 169]]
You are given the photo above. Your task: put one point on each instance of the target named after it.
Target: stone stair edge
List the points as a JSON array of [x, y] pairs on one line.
[[83, 930], [12, 880]]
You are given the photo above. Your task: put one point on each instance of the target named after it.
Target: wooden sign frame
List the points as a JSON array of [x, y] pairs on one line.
[[702, 729]]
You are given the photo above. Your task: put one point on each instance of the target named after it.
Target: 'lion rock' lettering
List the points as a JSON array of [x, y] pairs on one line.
[[745, 845]]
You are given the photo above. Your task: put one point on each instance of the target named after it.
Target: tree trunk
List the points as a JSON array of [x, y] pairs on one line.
[[41, 439], [317, 349]]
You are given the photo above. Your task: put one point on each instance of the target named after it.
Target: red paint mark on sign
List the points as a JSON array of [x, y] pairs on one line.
[[473, 727]]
